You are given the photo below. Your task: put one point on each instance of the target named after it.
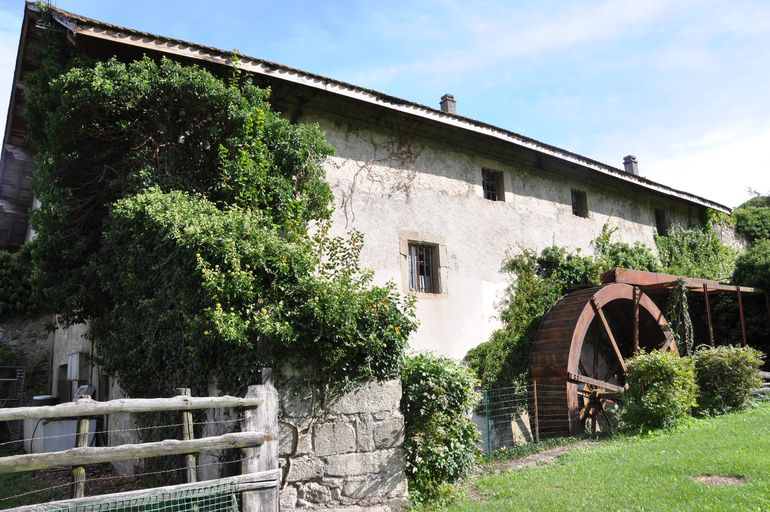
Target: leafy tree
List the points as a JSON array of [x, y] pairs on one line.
[[174, 218], [752, 221], [752, 268], [17, 291]]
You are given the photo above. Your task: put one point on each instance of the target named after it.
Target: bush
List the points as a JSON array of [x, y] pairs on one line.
[[726, 375], [661, 391], [440, 443]]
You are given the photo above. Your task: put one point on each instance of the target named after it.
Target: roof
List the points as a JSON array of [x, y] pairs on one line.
[[80, 26]]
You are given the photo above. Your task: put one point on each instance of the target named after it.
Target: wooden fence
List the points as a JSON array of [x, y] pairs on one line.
[[258, 441]]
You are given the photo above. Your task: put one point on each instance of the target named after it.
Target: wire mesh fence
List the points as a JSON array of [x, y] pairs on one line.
[[203, 498], [514, 416]]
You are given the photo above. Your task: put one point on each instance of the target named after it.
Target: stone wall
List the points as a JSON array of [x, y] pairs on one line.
[[345, 452]]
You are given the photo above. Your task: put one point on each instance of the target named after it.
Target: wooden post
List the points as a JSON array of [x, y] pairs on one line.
[[767, 303], [265, 457], [537, 420], [188, 434], [79, 472], [708, 313], [636, 319], [742, 319]]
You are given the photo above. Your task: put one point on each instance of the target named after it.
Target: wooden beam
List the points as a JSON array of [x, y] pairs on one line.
[[609, 334], [88, 407], [637, 294], [253, 481], [744, 341], [654, 280], [708, 313], [573, 377], [97, 455]]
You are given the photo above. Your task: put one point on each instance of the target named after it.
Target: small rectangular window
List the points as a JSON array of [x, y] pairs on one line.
[[661, 222], [579, 203], [492, 183], [423, 268]]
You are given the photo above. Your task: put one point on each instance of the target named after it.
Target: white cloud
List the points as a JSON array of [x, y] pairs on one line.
[[720, 167]]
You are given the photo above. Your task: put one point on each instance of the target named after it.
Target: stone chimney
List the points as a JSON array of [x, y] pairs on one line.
[[448, 104], [631, 165]]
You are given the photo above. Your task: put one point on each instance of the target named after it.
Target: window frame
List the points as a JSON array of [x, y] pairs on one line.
[[439, 261], [422, 262], [497, 180], [579, 203]]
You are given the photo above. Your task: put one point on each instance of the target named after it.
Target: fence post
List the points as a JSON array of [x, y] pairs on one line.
[[265, 457], [487, 421], [188, 434], [79, 472], [537, 420]]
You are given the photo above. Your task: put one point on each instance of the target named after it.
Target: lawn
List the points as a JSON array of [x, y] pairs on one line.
[[653, 473]]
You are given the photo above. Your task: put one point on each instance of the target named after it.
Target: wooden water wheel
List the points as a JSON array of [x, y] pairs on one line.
[[577, 360]]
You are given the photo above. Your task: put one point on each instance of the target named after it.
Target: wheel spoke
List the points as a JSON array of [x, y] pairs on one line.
[[609, 334]]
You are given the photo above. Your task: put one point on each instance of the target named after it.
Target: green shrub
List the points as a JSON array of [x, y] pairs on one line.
[[440, 441], [726, 375], [661, 390]]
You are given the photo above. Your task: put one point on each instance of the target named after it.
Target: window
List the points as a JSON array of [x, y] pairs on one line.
[[661, 222], [423, 268], [579, 203], [492, 184]]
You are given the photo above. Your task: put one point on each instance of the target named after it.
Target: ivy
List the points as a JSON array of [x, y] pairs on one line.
[[695, 252], [678, 316]]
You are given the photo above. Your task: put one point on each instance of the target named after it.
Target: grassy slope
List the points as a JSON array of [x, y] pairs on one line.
[[644, 474]]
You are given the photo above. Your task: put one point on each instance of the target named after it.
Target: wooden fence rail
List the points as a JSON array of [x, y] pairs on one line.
[[100, 454], [258, 441], [89, 407]]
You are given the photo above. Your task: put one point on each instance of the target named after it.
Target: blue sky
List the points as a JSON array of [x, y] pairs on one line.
[[682, 85]]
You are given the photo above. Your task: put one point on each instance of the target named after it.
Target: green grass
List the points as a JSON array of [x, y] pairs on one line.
[[650, 473]]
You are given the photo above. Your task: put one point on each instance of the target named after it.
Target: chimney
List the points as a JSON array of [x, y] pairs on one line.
[[448, 104], [631, 165]]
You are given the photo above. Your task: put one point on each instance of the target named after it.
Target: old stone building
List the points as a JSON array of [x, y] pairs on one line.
[[441, 198]]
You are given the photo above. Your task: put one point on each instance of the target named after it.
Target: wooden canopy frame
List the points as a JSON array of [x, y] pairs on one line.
[[653, 282]]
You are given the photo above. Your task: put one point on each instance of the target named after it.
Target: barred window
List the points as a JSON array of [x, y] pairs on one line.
[[492, 184], [579, 203], [423, 268]]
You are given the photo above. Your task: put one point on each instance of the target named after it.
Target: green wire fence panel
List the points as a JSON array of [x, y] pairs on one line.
[[506, 416], [205, 498]]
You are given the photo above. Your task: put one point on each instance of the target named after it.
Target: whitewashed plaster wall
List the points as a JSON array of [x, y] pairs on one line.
[[391, 187]]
